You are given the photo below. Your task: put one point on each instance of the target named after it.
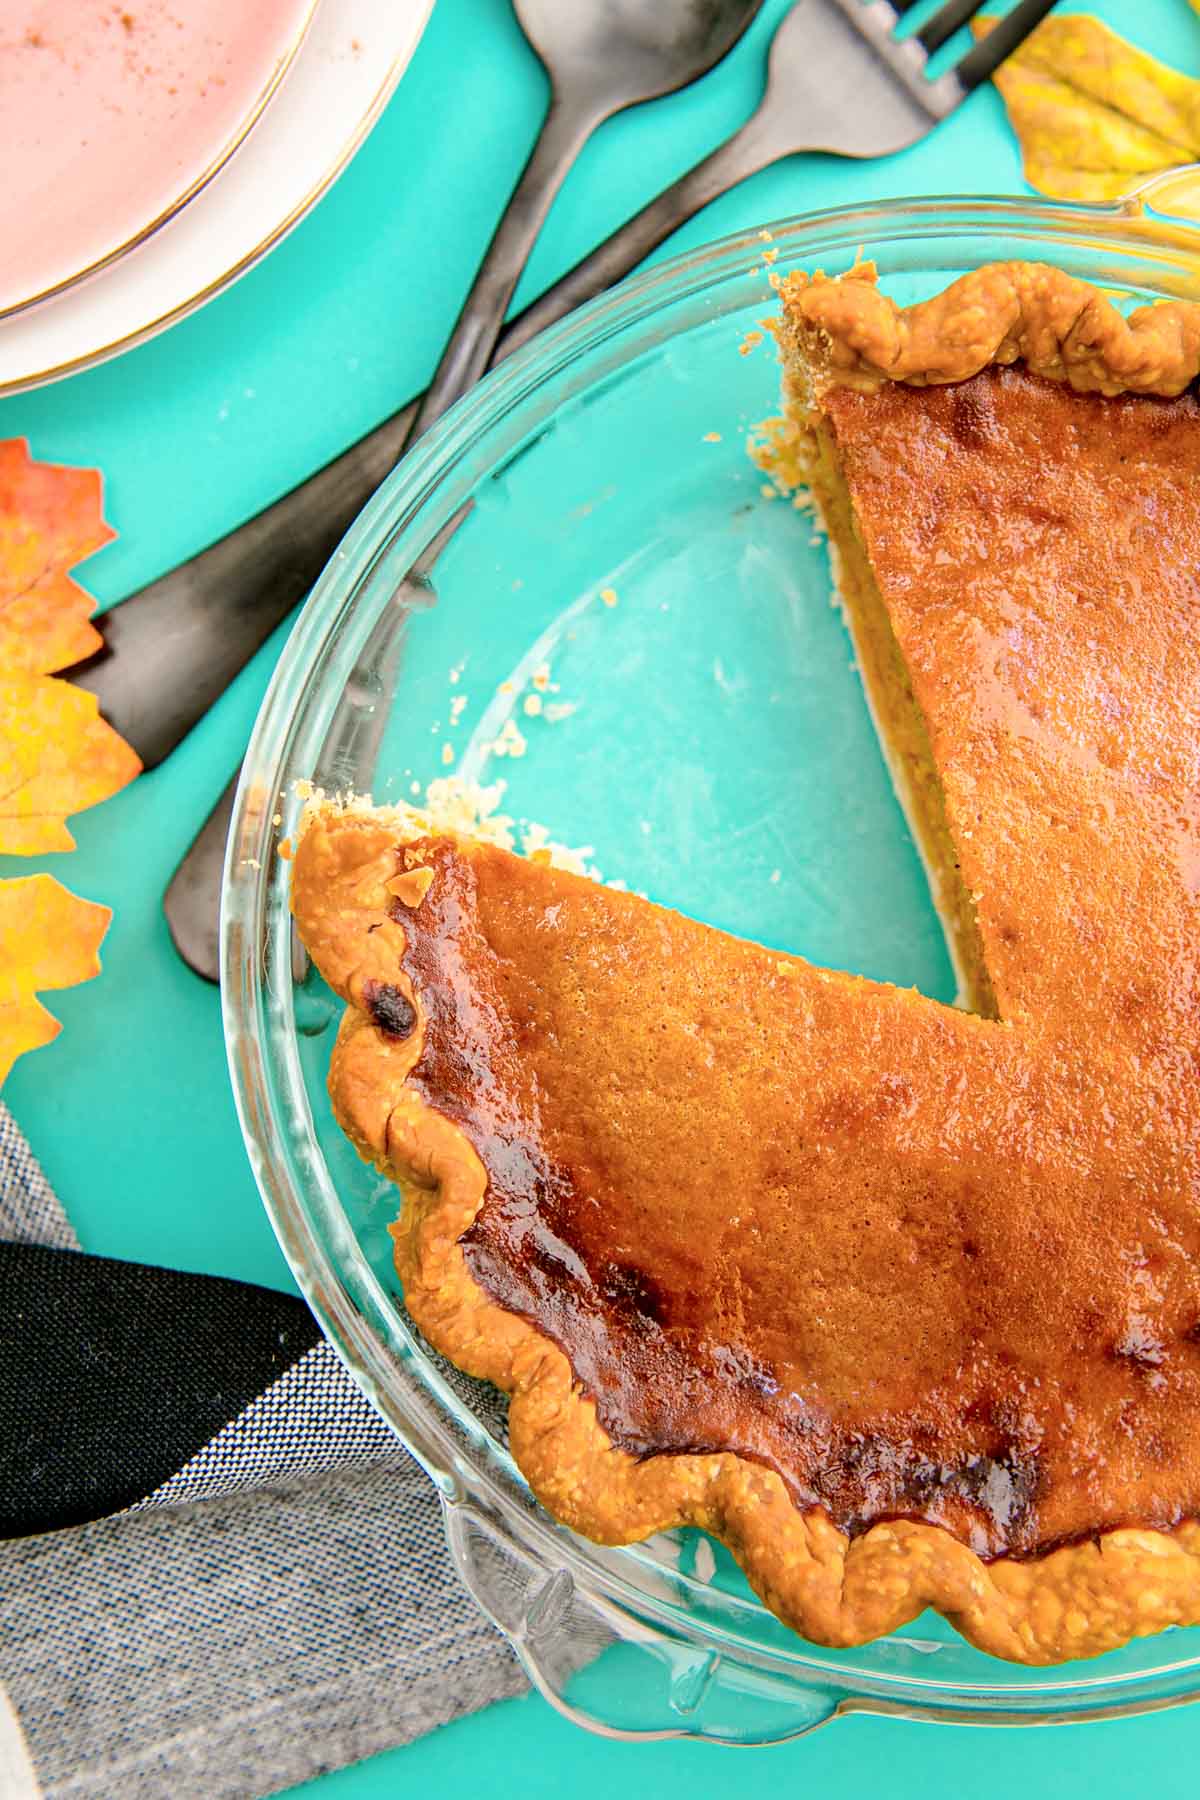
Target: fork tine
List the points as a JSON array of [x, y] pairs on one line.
[[1007, 35], [946, 21]]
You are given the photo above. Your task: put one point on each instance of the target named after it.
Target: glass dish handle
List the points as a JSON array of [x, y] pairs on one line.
[[1174, 193], [604, 1668]]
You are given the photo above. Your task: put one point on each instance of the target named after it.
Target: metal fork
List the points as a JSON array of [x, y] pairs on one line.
[[839, 80]]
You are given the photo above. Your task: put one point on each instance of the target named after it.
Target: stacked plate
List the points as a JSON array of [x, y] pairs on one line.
[[155, 149]]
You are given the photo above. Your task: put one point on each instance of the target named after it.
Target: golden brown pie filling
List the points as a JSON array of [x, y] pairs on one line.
[[901, 1300]]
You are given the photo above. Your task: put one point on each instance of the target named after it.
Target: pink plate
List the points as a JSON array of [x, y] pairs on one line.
[[113, 115]]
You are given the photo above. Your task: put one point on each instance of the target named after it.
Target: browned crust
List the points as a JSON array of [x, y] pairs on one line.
[[1073, 1602], [1003, 313]]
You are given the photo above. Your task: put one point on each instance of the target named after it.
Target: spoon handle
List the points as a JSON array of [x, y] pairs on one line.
[[744, 154], [473, 340]]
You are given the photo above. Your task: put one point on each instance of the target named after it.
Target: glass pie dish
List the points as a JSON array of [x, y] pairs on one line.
[[581, 586]]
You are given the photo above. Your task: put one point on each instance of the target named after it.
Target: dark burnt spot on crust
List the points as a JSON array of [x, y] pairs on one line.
[[633, 1292], [390, 1011], [992, 1493], [1003, 1488], [463, 1030]]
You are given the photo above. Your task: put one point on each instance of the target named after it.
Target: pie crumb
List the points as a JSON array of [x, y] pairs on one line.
[[411, 887], [511, 741]]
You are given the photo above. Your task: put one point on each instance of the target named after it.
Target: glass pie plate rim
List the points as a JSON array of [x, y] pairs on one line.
[[533, 1578]]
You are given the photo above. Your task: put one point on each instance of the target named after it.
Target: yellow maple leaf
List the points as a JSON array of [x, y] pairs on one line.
[[1094, 115], [57, 755], [49, 938]]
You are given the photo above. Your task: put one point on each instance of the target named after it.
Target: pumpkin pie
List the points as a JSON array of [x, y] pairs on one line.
[[900, 1300]]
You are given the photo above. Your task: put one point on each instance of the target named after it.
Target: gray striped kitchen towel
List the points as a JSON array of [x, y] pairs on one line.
[[279, 1604]]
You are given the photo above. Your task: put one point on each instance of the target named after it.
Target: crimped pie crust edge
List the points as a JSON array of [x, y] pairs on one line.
[[1006, 312]]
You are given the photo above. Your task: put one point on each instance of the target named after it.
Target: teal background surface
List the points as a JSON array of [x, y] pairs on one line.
[[129, 1111]]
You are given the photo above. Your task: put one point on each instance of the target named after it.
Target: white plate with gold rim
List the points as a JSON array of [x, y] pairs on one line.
[[326, 102]]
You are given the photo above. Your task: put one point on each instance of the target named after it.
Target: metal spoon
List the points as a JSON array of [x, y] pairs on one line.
[[601, 56]]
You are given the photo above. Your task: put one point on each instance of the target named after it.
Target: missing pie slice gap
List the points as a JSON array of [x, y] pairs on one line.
[[800, 452]]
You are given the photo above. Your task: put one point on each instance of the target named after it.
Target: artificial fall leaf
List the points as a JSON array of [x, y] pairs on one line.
[[50, 519], [49, 938], [1094, 115], [57, 755]]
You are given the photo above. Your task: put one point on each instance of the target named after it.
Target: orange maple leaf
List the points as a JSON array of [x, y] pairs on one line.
[[57, 755], [49, 938], [50, 519]]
